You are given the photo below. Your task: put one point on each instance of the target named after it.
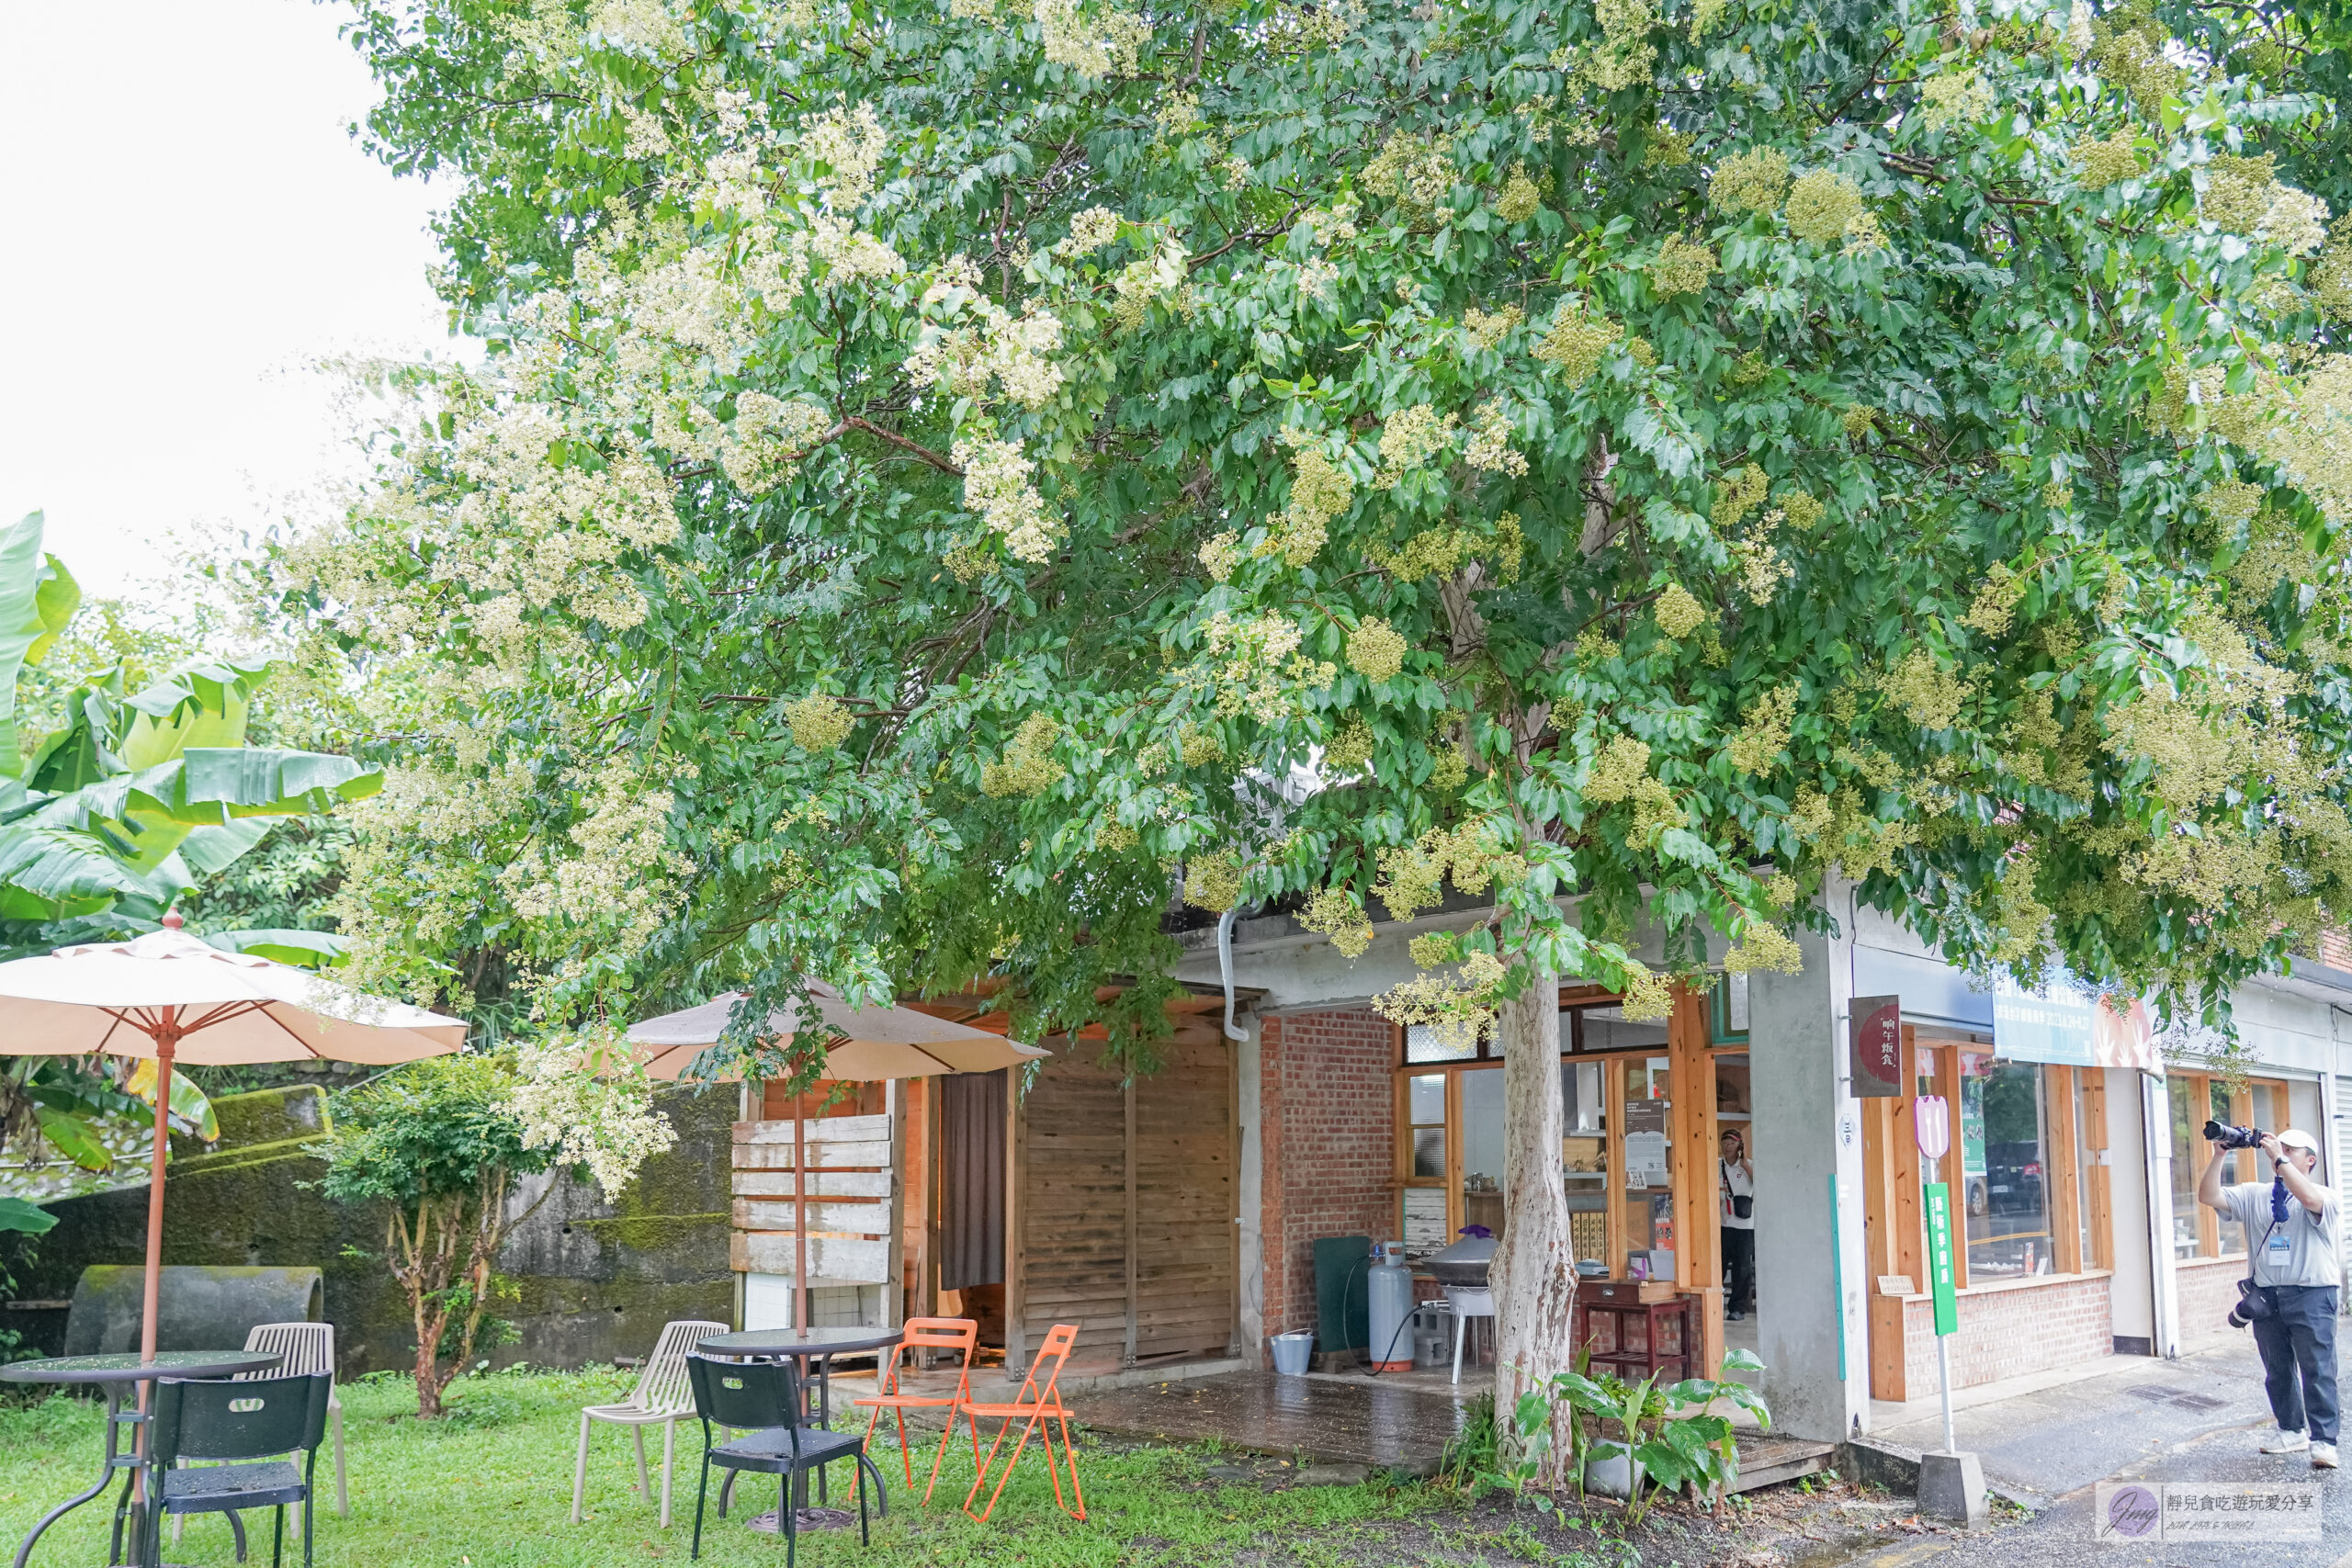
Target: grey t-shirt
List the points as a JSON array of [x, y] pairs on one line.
[[2300, 1250]]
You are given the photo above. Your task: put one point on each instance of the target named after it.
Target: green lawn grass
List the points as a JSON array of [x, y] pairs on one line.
[[492, 1486]]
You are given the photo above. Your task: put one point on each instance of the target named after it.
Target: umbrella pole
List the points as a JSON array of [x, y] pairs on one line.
[[800, 1216], [165, 1040]]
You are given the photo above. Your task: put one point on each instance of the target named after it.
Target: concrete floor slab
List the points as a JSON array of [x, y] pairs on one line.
[[1334, 1420], [2198, 1420]]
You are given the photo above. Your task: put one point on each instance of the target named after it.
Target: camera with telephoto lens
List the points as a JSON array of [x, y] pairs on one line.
[[2233, 1137], [2252, 1306]]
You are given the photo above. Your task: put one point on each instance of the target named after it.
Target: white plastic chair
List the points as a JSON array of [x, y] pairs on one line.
[[1468, 1302], [660, 1397], [306, 1347]]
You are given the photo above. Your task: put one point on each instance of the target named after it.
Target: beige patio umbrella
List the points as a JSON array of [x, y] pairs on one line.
[[169, 997], [868, 1044]]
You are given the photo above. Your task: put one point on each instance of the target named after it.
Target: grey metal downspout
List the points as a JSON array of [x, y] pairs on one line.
[[1225, 969]]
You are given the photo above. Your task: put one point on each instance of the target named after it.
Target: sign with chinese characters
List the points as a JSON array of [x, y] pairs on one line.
[[1940, 1269], [1877, 1027], [1645, 1143], [2069, 1029], [2207, 1510]]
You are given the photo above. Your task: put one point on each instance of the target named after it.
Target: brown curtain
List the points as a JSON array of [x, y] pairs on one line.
[[971, 1179]]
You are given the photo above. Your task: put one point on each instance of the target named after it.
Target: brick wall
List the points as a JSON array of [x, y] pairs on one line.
[[2208, 1289], [1328, 1145], [2008, 1331]]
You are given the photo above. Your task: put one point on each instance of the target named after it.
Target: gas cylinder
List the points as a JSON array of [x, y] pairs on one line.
[[1389, 1290]]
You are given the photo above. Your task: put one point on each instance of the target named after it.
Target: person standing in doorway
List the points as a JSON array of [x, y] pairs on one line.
[[2290, 1241], [1737, 1175]]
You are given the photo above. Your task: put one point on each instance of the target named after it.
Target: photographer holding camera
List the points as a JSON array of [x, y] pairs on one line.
[[2288, 1294]]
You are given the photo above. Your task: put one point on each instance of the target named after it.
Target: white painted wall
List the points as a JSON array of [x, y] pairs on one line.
[[2132, 1299]]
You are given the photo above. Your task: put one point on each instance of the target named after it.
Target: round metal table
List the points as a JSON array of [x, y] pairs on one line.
[[114, 1373], [819, 1345]]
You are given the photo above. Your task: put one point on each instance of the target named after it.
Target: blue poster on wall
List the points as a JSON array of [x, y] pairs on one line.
[[2064, 1027]]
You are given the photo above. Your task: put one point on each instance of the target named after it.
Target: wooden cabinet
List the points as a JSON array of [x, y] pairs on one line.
[[1637, 1329]]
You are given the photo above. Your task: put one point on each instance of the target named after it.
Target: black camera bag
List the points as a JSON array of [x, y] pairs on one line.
[[2252, 1306]]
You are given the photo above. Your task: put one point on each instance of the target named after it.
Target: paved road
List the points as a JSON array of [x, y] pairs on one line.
[[2198, 1419]]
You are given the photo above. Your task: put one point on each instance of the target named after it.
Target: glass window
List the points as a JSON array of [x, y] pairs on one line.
[[1425, 1101], [2003, 1166], [1584, 1159], [1649, 1191], [1423, 1044], [2185, 1095], [1482, 1148], [2194, 1097], [2239, 1166], [2270, 1114], [1608, 1029]]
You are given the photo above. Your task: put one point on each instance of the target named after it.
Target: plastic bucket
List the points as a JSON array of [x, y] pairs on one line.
[[1293, 1352]]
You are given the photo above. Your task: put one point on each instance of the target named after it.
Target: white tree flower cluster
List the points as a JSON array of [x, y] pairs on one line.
[[616, 877], [996, 485], [581, 1094], [1252, 665], [1012, 352], [1111, 44], [1489, 449], [769, 439], [1090, 232]]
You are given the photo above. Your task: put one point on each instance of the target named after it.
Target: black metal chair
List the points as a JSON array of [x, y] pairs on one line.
[[236, 1422], [763, 1400]]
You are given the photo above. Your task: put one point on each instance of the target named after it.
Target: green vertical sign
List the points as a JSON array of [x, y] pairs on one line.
[[1940, 1273]]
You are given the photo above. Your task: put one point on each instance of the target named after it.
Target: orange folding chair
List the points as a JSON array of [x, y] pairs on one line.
[[960, 1334], [1039, 1407]]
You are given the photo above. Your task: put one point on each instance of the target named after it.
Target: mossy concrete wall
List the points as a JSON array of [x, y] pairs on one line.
[[598, 1279]]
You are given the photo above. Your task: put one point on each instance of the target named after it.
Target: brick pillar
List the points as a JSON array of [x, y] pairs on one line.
[[1327, 1149]]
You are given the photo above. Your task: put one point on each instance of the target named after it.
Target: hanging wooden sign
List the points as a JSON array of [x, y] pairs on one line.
[[1877, 1033]]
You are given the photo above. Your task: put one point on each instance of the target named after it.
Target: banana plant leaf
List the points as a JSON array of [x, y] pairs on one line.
[[199, 705], [53, 874], [191, 1108], [81, 752], [217, 848], [73, 1135], [250, 781], [306, 950], [143, 817], [38, 596], [15, 1215]]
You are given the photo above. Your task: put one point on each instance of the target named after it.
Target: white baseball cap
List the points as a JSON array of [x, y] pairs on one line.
[[2295, 1138]]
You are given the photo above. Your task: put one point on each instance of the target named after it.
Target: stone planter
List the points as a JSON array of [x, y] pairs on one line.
[[1612, 1477]]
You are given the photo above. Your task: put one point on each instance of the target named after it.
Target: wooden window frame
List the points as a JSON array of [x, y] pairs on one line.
[[1690, 1052], [2200, 1089], [2061, 1173]]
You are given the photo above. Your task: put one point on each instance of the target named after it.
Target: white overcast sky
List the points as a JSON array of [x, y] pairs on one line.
[[187, 226]]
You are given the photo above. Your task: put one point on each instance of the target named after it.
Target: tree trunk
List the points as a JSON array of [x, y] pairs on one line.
[[1534, 1276]]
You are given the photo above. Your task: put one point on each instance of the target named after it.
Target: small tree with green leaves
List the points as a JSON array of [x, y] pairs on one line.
[[441, 1145]]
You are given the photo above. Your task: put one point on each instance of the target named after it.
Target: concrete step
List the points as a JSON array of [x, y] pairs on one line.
[[1768, 1462]]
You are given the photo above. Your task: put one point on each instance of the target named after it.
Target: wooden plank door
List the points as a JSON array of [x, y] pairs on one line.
[[1124, 1206], [1183, 1158], [1071, 1211]]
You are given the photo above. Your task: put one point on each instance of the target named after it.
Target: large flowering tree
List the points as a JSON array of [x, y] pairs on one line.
[[949, 466]]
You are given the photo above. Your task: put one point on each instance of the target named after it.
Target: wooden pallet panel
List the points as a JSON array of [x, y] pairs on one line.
[[832, 1260]]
